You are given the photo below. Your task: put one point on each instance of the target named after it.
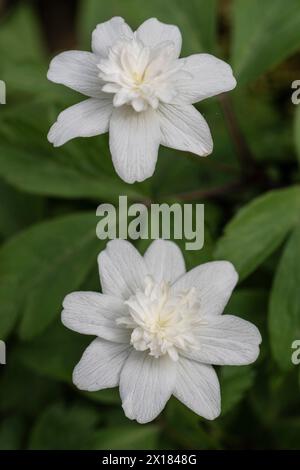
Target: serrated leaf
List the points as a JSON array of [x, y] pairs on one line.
[[258, 229], [265, 33], [284, 315]]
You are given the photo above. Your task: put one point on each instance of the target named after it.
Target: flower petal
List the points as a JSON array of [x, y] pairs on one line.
[[134, 140], [210, 76], [122, 269], [214, 282], [165, 261], [100, 365], [85, 119], [146, 384], [197, 386], [77, 70], [106, 34], [226, 340], [152, 32], [184, 128], [91, 313]]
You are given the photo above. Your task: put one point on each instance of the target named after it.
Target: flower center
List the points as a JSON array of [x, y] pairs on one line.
[[161, 321], [139, 75]]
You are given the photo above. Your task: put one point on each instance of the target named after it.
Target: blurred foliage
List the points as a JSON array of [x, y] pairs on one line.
[[250, 187], [262, 37]]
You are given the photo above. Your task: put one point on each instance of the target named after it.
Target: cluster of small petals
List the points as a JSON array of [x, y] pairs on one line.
[[141, 76], [161, 321]]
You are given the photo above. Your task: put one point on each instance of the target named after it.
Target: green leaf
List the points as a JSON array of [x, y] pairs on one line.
[[19, 210], [22, 68], [297, 131], [193, 432], [196, 18], [248, 302], [258, 229], [43, 355], [284, 315], [75, 428], [235, 382], [17, 381], [62, 428], [44, 174], [41, 265], [80, 169], [264, 34], [130, 437], [265, 128], [20, 28]]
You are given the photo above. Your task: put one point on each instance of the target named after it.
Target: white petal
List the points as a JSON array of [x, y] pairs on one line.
[[77, 70], [106, 34], [100, 365], [122, 269], [146, 384], [209, 77], [227, 340], [165, 261], [85, 119], [184, 128], [152, 32], [214, 282], [134, 140], [197, 386], [91, 313]]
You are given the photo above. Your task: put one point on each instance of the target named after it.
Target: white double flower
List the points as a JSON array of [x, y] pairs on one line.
[[159, 329], [141, 92]]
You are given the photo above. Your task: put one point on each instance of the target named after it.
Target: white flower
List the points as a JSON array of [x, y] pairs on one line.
[[141, 92], [159, 329]]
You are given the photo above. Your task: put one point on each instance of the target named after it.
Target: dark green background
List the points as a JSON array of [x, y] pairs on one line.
[[250, 187]]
